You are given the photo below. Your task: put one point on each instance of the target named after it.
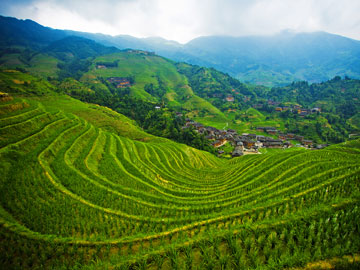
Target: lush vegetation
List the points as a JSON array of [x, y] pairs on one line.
[[337, 99], [205, 95], [153, 119], [338, 96], [210, 83], [83, 188], [274, 60]]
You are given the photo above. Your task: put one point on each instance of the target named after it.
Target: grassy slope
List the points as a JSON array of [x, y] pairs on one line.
[[39, 90], [250, 119], [39, 64], [145, 69], [43, 65]]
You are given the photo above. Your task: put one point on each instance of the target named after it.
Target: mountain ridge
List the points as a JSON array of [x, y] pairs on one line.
[[270, 60]]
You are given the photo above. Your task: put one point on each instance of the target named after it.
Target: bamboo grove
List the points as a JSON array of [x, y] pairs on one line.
[[75, 196]]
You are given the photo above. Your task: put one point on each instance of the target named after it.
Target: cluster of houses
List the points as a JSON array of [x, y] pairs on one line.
[[140, 52], [283, 137], [245, 142], [120, 82], [100, 66], [296, 109], [230, 98]]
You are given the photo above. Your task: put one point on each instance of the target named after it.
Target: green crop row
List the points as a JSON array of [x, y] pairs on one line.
[[78, 196]]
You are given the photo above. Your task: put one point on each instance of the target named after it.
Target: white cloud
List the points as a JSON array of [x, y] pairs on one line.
[[183, 20]]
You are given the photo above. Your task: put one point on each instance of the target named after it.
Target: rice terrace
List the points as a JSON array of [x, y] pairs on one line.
[[76, 194]]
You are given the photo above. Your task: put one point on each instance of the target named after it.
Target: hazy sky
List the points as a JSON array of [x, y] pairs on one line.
[[183, 20]]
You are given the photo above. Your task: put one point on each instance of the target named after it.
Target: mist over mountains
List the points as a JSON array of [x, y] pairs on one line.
[[268, 60]]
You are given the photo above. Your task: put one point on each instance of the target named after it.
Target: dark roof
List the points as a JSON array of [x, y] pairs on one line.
[[237, 152], [211, 128], [273, 143], [275, 140]]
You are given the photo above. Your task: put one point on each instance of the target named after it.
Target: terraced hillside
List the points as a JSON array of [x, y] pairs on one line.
[[166, 82], [75, 195]]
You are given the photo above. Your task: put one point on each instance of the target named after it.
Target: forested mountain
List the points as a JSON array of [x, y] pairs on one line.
[[83, 69], [336, 102], [280, 58], [77, 47], [27, 33], [268, 60], [340, 96]]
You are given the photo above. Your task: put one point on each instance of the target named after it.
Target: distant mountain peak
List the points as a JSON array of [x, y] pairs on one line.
[[272, 59]]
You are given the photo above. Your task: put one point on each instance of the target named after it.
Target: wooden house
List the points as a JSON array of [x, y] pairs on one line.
[[299, 138], [223, 132], [231, 131], [273, 144], [230, 99], [119, 82], [210, 137], [261, 138], [251, 136], [307, 142], [249, 144], [219, 143], [272, 131], [290, 136], [287, 144]]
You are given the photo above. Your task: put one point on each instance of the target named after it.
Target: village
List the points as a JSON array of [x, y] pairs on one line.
[[248, 143], [294, 108], [120, 82]]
